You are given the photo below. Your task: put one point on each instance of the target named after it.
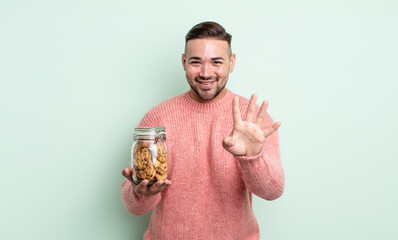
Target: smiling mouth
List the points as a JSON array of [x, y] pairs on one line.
[[207, 81], [206, 84]]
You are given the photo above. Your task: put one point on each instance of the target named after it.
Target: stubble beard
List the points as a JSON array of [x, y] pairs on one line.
[[208, 94]]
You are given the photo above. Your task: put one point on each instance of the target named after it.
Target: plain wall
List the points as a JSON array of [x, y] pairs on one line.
[[76, 77]]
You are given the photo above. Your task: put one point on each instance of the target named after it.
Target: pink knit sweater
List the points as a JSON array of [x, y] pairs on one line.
[[211, 192]]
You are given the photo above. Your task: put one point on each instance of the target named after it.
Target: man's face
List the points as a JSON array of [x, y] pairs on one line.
[[207, 64]]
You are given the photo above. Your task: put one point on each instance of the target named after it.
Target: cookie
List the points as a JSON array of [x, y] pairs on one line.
[[161, 168], [161, 176]]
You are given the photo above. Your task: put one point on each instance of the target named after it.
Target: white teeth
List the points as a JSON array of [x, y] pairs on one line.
[[206, 83]]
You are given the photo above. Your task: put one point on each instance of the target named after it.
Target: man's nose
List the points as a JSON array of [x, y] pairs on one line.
[[205, 71]]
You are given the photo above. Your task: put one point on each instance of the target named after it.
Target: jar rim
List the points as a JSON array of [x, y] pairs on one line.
[[149, 131]]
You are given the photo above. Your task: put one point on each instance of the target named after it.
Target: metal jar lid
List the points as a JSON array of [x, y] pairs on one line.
[[149, 133]]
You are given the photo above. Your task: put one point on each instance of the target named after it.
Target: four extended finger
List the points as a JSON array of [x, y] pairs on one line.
[[251, 108], [236, 110], [262, 113], [267, 132]]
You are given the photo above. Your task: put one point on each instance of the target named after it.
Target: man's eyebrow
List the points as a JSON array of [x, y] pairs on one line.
[[214, 58]]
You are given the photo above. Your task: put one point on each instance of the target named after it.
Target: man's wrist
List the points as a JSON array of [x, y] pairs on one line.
[[250, 156]]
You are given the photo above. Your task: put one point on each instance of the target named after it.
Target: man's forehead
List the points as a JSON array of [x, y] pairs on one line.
[[207, 46]]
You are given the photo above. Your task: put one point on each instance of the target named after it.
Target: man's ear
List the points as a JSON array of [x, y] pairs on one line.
[[232, 61], [183, 60]]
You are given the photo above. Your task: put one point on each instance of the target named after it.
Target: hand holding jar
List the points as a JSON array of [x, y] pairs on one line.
[[143, 187], [149, 164]]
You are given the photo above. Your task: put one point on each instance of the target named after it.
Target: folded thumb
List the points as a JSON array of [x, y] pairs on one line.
[[228, 142]]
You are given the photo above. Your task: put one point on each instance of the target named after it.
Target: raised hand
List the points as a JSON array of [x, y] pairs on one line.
[[247, 138], [143, 188]]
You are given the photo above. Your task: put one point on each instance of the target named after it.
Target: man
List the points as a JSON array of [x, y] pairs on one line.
[[217, 159]]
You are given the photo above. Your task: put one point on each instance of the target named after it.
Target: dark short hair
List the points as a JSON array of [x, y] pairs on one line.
[[211, 30]]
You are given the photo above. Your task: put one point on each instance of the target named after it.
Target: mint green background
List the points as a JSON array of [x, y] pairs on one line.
[[77, 76]]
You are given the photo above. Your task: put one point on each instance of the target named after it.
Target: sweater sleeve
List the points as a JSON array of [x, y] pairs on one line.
[[138, 204], [263, 174]]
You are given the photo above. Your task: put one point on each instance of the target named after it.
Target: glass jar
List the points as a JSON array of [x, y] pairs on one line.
[[149, 155]]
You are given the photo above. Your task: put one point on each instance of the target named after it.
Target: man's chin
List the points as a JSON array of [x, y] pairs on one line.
[[207, 95]]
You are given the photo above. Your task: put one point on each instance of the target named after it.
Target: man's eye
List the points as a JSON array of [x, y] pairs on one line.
[[217, 62], [195, 62]]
